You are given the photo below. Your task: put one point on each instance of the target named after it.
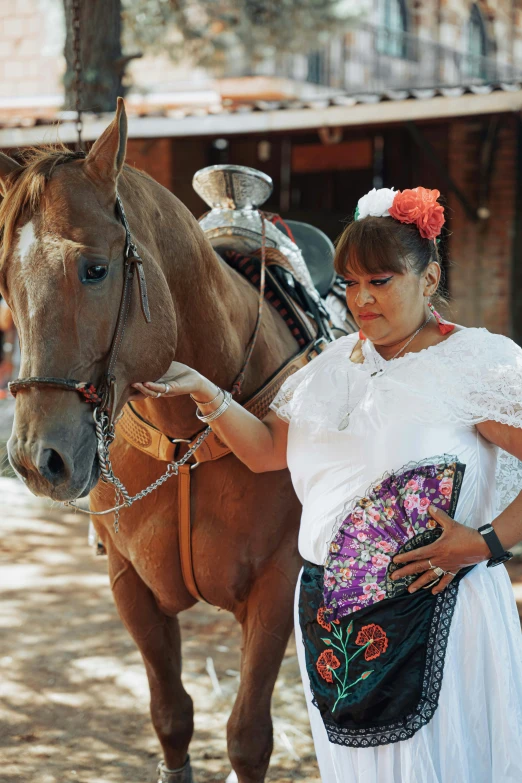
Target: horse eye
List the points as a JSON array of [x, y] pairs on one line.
[[96, 272]]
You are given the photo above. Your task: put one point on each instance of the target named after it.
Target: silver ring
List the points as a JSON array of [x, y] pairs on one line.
[[437, 570], [167, 387], [427, 587]]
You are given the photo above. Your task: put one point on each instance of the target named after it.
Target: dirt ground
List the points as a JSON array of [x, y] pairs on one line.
[[73, 692]]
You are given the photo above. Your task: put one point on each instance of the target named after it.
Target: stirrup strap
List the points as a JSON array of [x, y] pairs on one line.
[[185, 533]]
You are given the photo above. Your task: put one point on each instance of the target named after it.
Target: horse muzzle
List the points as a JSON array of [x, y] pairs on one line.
[[54, 467]]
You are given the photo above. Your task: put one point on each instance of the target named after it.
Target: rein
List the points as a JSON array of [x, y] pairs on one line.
[[105, 399]]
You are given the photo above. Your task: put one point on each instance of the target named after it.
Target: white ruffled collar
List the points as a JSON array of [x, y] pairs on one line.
[[375, 361]]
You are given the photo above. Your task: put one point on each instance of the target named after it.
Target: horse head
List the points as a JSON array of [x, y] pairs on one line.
[[61, 273]]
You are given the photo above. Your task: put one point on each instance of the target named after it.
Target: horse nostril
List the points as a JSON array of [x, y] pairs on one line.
[[51, 466]]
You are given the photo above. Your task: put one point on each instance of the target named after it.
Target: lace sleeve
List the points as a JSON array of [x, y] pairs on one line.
[[495, 390], [284, 404], [491, 390]]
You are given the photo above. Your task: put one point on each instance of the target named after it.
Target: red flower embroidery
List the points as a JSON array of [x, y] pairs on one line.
[[378, 641], [320, 619], [325, 663]]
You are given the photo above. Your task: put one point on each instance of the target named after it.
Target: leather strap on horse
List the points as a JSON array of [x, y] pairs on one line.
[[86, 390], [185, 533], [102, 396], [132, 262]]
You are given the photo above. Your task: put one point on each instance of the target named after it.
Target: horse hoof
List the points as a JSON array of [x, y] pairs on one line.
[[181, 775]]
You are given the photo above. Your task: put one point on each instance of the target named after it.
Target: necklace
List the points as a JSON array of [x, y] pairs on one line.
[[346, 418]]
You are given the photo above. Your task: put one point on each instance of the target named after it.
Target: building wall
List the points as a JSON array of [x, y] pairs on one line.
[[482, 252], [478, 255], [31, 44], [32, 35], [154, 156]]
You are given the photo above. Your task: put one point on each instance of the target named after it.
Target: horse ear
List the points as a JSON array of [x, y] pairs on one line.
[[107, 156], [7, 166]]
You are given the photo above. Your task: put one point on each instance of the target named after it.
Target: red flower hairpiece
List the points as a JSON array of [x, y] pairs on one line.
[[419, 206]]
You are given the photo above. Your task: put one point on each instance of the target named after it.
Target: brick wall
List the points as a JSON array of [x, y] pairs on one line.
[[31, 41], [154, 156], [481, 252]]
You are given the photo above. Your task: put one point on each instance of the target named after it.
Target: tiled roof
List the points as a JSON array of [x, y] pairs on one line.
[[240, 111]]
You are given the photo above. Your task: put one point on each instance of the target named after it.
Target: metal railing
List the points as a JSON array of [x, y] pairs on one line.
[[372, 59]]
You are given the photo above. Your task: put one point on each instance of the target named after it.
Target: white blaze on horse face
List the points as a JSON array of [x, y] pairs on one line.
[[27, 242]]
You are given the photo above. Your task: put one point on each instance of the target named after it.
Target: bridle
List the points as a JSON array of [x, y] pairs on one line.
[[104, 398]]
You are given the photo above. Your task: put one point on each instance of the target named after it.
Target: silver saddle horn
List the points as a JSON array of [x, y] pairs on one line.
[[234, 195]]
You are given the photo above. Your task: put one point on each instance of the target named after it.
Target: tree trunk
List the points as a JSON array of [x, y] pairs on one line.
[[102, 64]]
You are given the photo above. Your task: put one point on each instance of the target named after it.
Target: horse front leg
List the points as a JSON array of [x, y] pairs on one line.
[[266, 628], [158, 639]]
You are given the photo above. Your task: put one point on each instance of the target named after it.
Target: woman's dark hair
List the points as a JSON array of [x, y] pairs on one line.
[[381, 244]]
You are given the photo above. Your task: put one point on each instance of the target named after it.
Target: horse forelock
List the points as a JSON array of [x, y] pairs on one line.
[[26, 187]]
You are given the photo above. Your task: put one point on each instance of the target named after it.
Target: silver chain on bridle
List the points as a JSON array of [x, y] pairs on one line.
[[104, 437]]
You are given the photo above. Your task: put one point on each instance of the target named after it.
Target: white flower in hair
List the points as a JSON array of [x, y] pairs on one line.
[[375, 203]]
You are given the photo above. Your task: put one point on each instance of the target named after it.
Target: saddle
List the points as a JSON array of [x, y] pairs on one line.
[[299, 268]]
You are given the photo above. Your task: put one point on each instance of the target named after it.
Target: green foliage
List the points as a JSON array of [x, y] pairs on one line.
[[231, 36]]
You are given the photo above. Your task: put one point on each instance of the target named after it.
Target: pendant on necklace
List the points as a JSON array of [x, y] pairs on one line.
[[344, 422]]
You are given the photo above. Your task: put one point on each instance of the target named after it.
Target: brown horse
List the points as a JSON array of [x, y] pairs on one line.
[[61, 274]]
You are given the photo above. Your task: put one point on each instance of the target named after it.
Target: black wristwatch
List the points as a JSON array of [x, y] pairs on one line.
[[498, 553]]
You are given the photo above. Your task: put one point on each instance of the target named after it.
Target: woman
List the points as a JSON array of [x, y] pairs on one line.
[[391, 436]]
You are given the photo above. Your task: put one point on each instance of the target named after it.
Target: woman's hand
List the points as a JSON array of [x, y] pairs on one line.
[[179, 379], [458, 546]]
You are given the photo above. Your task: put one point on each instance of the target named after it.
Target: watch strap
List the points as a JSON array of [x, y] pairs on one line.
[[492, 540], [498, 553]]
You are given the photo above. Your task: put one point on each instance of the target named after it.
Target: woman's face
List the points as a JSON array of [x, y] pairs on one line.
[[387, 306]]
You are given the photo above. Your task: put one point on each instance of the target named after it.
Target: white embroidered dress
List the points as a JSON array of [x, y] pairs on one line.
[[419, 406]]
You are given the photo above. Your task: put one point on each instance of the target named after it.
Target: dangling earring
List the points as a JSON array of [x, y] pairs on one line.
[[444, 326]]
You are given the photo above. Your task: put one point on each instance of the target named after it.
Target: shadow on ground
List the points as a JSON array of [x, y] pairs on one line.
[[73, 692]]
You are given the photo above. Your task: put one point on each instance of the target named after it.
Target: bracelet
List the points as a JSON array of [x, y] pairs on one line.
[[227, 399], [198, 402]]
